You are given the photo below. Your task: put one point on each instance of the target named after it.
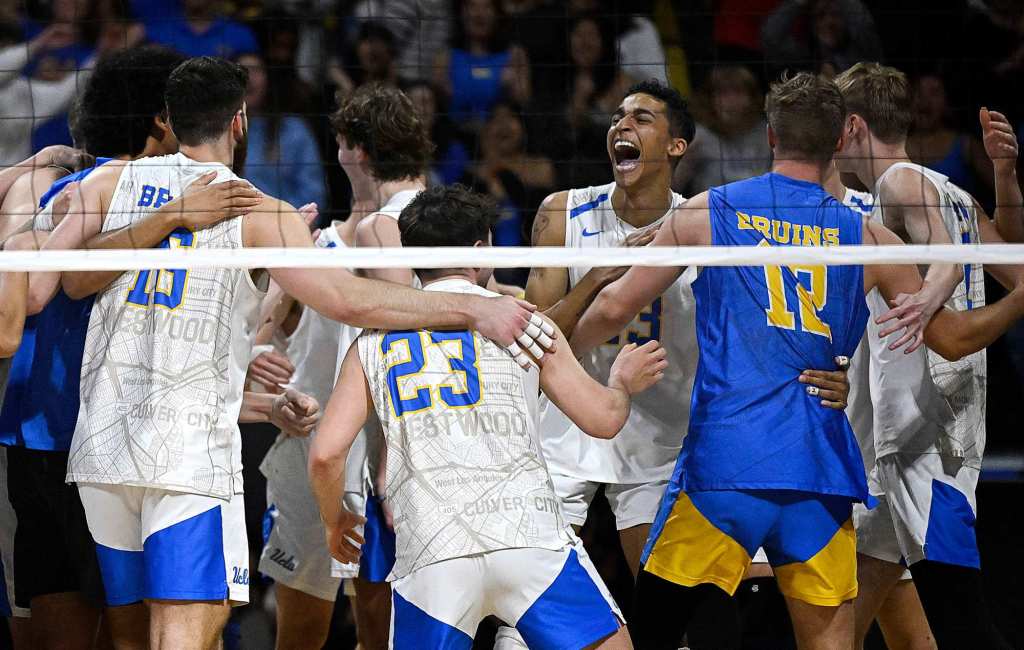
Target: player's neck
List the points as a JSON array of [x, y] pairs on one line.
[[219, 152], [448, 274], [833, 184], [642, 204], [378, 194], [883, 156], [802, 170]]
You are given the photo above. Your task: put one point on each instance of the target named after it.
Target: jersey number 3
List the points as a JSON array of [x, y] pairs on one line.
[[168, 286], [412, 362], [811, 300]]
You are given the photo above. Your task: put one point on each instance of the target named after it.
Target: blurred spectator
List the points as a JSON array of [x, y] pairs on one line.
[[450, 155], [373, 60], [638, 45], [481, 65], [736, 30], [26, 102], [283, 158], [826, 36], [597, 87], [199, 31], [518, 180], [731, 142], [540, 27], [422, 28], [935, 144]]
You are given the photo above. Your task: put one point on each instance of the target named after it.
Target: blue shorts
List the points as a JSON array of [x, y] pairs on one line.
[[711, 536], [554, 598]]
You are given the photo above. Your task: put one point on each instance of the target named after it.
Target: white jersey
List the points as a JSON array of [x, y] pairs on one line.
[[312, 348], [166, 354], [464, 472], [648, 445], [921, 402]]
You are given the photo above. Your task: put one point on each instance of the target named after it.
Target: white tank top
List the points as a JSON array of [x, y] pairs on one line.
[[464, 473], [647, 447], [166, 354], [312, 348]]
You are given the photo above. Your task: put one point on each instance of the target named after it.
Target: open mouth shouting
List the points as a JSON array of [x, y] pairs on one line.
[[626, 155]]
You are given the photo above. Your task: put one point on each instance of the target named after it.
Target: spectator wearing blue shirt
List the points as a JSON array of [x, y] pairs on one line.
[[481, 65], [198, 31], [283, 158]]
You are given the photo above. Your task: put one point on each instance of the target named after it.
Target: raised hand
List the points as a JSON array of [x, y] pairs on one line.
[[637, 368], [998, 137], [295, 414]]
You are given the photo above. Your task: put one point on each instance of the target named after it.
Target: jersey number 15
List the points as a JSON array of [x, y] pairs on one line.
[[167, 288]]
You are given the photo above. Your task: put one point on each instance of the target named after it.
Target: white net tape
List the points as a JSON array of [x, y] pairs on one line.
[[505, 257]]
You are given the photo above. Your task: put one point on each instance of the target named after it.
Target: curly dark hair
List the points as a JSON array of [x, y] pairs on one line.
[[382, 121], [114, 114], [679, 119], [447, 215]]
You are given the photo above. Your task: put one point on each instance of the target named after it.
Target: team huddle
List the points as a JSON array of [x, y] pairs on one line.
[[818, 429]]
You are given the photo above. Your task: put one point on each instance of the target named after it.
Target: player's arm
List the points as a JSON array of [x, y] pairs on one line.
[[952, 334], [376, 231], [1007, 275], [294, 413], [600, 411], [200, 206], [21, 203], [1001, 147], [347, 411], [57, 155], [13, 299], [548, 288], [623, 299], [362, 302], [911, 207]]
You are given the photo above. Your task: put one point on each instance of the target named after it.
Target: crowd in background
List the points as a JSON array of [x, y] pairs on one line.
[[518, 93]]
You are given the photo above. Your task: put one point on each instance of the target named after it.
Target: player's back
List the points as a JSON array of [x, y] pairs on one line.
[[166, 353], [752, 424], [464, 471]]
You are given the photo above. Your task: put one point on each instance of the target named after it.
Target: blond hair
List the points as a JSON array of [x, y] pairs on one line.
[[881, 96]]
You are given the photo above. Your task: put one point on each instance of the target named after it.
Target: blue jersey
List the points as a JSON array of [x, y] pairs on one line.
[[752, 423], [40, 406]]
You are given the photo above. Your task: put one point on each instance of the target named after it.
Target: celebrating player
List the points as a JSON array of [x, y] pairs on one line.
[[170, 347], [474, 508], [762, 465], [930, 438]]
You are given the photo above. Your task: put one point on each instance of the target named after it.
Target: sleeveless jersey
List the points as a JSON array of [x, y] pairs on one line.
[[752, 424], [312, 348], [464, 472], [959, 407], [166, 354], [646, 448]]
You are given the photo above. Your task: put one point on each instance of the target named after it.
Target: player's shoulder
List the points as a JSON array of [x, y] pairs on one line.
[[908, 185]]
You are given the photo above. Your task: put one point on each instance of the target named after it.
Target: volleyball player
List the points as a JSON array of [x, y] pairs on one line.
[[762, 466], [162, 470], [384, 149], [479, 529], [929, 436]]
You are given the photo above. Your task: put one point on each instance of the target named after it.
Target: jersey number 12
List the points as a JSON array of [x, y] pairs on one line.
[[811, 300]]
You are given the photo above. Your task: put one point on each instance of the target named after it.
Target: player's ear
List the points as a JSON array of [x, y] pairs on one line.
[[161, 127], [676, 147], [771, 137]]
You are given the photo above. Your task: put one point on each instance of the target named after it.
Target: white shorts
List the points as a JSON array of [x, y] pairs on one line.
[[294, 547], [158, 544], [8, 524], [632, 504], [927, 513], [554, 599]]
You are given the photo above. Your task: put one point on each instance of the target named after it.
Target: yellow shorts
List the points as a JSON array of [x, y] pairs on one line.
[[710, 537]]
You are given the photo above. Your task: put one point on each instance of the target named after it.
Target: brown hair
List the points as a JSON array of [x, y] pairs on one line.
[[806, 112], [382, 122], [881, 96]]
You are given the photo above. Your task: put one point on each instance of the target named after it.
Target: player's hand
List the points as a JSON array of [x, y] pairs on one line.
[[309, 213], [343, 540], [910, 313], [271, 369], [62, 203], [205, 203], [59, 155], [832, 386], [641, 237], [999, 138], [514, 323], [638, 368], [296, 414]]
